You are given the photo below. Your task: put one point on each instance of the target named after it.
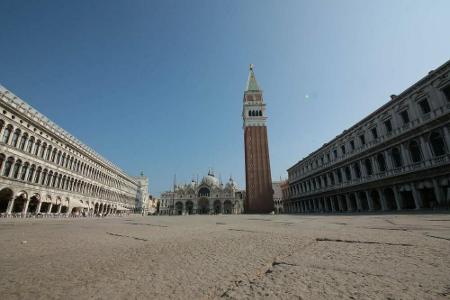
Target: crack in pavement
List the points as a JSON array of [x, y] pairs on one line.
[[359, 242], [437, 237], [128, 236]]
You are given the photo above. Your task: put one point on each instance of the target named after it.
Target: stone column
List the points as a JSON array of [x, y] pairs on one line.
[[333, 209], [339, 199], [387, 158], [59, 208], [382, 199], [398, 199], [375, 168], [369, 201], [25, 207], [425, 149], [10, 206], [446, 136], [416, 195], [349, 204], [38, 208], [50, 208], [362, 167], [438, 192], [406, 159], [358, 202]]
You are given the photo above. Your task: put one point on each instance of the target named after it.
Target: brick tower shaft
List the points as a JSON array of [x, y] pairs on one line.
[[257, 163]]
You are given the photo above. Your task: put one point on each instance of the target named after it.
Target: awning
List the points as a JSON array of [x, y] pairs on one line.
[[120, 207], [78, 203]]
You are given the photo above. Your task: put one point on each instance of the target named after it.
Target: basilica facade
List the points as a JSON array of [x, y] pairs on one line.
[[44, 170], [209, 196]]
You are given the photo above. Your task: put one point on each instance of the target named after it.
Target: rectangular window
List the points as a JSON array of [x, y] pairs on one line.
[[446, 92], [343, 149], [362, 139], [328, 157], [388, 126], [335, 153], [352, 144], [424, 106], [405, 117], [374, 132]]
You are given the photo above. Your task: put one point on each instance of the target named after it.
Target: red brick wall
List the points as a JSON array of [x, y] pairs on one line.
[[257, 171]]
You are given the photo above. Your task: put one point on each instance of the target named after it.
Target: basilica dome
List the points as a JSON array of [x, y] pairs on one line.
[[210, 180]]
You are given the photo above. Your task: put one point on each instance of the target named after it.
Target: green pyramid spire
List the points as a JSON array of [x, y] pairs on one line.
[[252, 84]]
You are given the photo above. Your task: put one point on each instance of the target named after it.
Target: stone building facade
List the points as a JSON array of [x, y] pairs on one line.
[[45, 170], [277, 197], [396, 158], [209, 196], [258, 178]]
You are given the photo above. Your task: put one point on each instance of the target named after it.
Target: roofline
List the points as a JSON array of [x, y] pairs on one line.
[[393, 100]]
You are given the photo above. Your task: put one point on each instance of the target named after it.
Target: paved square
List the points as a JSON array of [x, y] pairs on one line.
[[244, 256]]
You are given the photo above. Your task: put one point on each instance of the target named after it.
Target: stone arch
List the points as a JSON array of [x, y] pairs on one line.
[[189, 207], [376, 201], [179, 208], [20, 202], [389, 196], [6, 195], [364, 203], [33, 205], [217, 207], [437, 143], [227, 207], [203, 206]]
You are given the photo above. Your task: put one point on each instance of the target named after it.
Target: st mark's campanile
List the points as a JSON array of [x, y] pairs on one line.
[[258, 178]]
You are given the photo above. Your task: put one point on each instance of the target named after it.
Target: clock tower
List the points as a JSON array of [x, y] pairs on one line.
[[258, 179]]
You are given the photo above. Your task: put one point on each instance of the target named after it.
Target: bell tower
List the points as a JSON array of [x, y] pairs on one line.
[[258, 179]]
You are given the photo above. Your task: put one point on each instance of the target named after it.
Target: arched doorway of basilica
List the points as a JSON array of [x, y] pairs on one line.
[[179, 208], [217, 207], [189, 207], [203, 206], [227, 207]]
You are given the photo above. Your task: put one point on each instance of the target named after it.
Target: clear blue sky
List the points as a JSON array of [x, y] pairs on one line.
[[157, 85]]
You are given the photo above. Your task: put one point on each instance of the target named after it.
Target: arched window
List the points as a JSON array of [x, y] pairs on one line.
[[49, 178], [348, 174], [23, 141], [49, 151], [368, 165], [2, 160], [15, 138], [437, 144], [8, 166], [260, 113], [31, 173], [30, 144], [54, 155], [24, 171], [44, 176], [414, 150], [7, 134], [339, 175], [357, 170], [38, 175], [16, 169], [396, 157], [36, 148], [58, 158], [381, 162], [44, 147], [249, 113]]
